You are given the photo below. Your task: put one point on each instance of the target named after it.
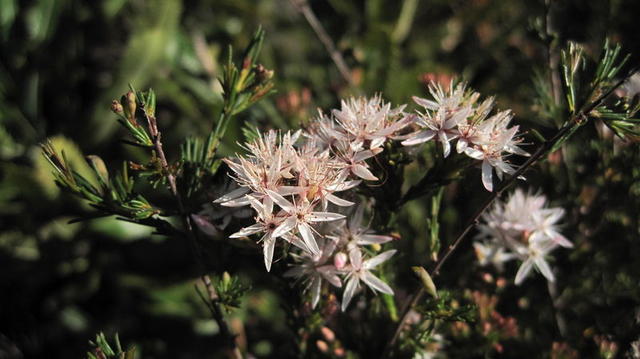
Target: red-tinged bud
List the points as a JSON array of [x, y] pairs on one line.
[[487, 277], [340, 260], [116, 107], [339, 352]]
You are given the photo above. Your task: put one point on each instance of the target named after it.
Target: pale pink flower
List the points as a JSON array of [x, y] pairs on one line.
[[360, 271], [313, 268], [301, 216], [523, 227]]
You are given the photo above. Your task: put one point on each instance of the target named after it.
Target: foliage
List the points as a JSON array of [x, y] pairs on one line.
[[128, 232]]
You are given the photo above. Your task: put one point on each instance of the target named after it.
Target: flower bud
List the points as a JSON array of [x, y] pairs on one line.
[[322, 346], [262, 74], [328, 334], [340, 260], [129, 99], [339, 352], [116, 107]]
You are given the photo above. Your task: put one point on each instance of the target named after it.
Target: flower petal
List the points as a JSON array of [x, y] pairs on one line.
[[247, 231], [380, 258], [324, 216], [338, 201], [349, 291], [486, 175], [373, 239], [544, 268], [362, 172], [523, 271], [267, 247], [307, 237], [376, 284], [418, 138], [239, 192], [281, 201], [284, 227]]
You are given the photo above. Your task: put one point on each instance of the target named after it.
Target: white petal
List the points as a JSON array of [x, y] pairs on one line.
[[420, 137], [324, 216], [355, 257], [233, 195], [461, 145], [523, 271], [267, 247], [316, 286], [428, 104], [343, 186], [376, 284], [562, 241], [486, 175], [307, 237], [377, 142], [363, 155], [289, 190], [373, 239], [338, 201], [284, 227], [296, 241], [544, 268], [238, 202], [474, 153], [349, 291], [362, 172], [281, 201], [446, 146], [247, 231], [380, 258]]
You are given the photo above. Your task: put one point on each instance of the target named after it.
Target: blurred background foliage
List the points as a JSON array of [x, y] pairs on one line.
[[63, 61]]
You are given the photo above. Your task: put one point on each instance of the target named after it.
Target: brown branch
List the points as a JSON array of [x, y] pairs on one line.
[[303, 7], [213, 303]]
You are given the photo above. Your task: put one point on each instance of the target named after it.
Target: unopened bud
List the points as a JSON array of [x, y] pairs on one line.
[[328, 334], [116, 107], [376, 247], [322, 346], [263, 74], [130, 104], [339, 352], [340, 260]]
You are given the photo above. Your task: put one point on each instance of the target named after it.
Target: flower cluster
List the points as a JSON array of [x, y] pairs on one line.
[[523, 228], [457, 114], [293, 181]]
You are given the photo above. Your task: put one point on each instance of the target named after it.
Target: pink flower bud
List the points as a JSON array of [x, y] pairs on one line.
[[340, 260], [328, 334], [322, 346]]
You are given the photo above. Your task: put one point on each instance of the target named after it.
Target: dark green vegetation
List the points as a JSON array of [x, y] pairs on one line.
[[62, 62]]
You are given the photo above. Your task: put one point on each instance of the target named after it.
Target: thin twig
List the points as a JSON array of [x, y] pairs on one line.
[[575, 120], [303, 7], [213, 304]]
